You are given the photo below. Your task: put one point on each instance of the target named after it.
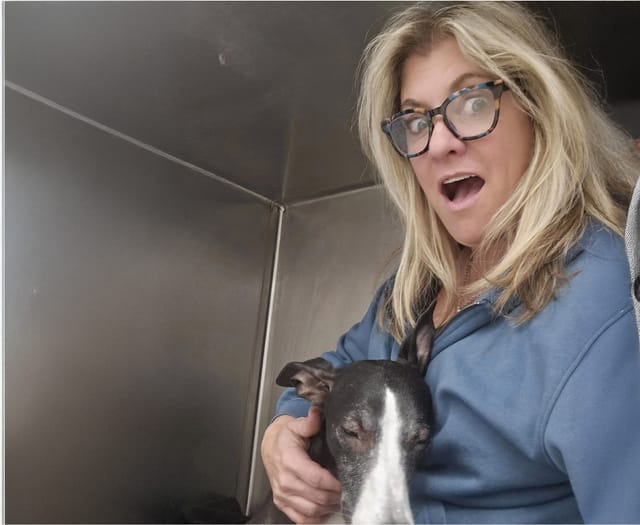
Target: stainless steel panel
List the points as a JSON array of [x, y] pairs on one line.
[[135, 301], [232, 87], [334, 254]]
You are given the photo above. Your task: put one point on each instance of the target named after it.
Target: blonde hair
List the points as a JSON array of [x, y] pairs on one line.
[[582, 166]]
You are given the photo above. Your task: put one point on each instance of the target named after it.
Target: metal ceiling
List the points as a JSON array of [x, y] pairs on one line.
[[240, 89]]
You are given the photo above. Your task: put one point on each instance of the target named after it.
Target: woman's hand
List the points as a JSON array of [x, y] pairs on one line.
[[302, 489]]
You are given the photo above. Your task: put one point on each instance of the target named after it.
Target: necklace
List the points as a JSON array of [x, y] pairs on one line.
[[465, 282]]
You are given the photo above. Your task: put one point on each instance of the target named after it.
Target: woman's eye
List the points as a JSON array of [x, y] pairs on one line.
[[417, 125], [476, 104]]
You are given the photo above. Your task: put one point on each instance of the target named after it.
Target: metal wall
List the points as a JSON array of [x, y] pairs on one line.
[[135, 307]]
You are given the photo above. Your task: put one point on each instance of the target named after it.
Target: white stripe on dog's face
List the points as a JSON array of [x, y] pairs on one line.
[[385, 486]]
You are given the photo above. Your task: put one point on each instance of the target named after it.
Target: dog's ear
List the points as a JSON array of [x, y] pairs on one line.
[[312, 379], [416, 348]]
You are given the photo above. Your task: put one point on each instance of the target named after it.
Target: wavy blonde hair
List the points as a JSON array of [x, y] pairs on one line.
[[583, 166]]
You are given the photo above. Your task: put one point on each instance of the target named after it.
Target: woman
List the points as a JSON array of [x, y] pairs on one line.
[[513, 186]]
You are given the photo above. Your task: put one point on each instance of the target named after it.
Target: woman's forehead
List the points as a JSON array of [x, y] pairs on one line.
[[427, 78]]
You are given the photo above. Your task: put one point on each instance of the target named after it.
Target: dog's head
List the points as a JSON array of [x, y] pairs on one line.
[[378, 417]]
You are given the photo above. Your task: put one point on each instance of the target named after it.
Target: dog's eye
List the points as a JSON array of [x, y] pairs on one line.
[[350, 432]]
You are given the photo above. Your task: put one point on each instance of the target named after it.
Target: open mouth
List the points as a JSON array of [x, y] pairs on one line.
[[460, 189]]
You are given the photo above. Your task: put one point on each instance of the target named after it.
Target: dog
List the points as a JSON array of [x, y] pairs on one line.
[[377, 421]]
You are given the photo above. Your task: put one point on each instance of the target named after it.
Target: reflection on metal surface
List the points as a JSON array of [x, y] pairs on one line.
[[266, 355]]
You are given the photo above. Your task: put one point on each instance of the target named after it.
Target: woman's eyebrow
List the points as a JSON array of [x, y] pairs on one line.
[[410, 103], [461, 81]]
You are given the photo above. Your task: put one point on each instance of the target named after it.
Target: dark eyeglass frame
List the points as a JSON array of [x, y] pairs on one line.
[[497, 87]]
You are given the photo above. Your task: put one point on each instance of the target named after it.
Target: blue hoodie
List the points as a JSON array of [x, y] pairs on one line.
[[537, 422]]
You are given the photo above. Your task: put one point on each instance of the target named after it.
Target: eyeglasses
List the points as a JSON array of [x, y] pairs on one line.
[[470, 113]]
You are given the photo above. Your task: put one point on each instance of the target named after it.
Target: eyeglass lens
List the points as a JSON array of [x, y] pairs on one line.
[[467, 115]]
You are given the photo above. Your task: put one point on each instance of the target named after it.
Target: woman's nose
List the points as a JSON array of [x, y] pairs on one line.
[[443, 141]]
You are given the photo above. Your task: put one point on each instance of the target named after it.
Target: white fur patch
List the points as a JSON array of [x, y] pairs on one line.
[[385, 497]]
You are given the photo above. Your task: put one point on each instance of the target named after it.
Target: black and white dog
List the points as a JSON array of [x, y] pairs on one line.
[[377, 424]]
